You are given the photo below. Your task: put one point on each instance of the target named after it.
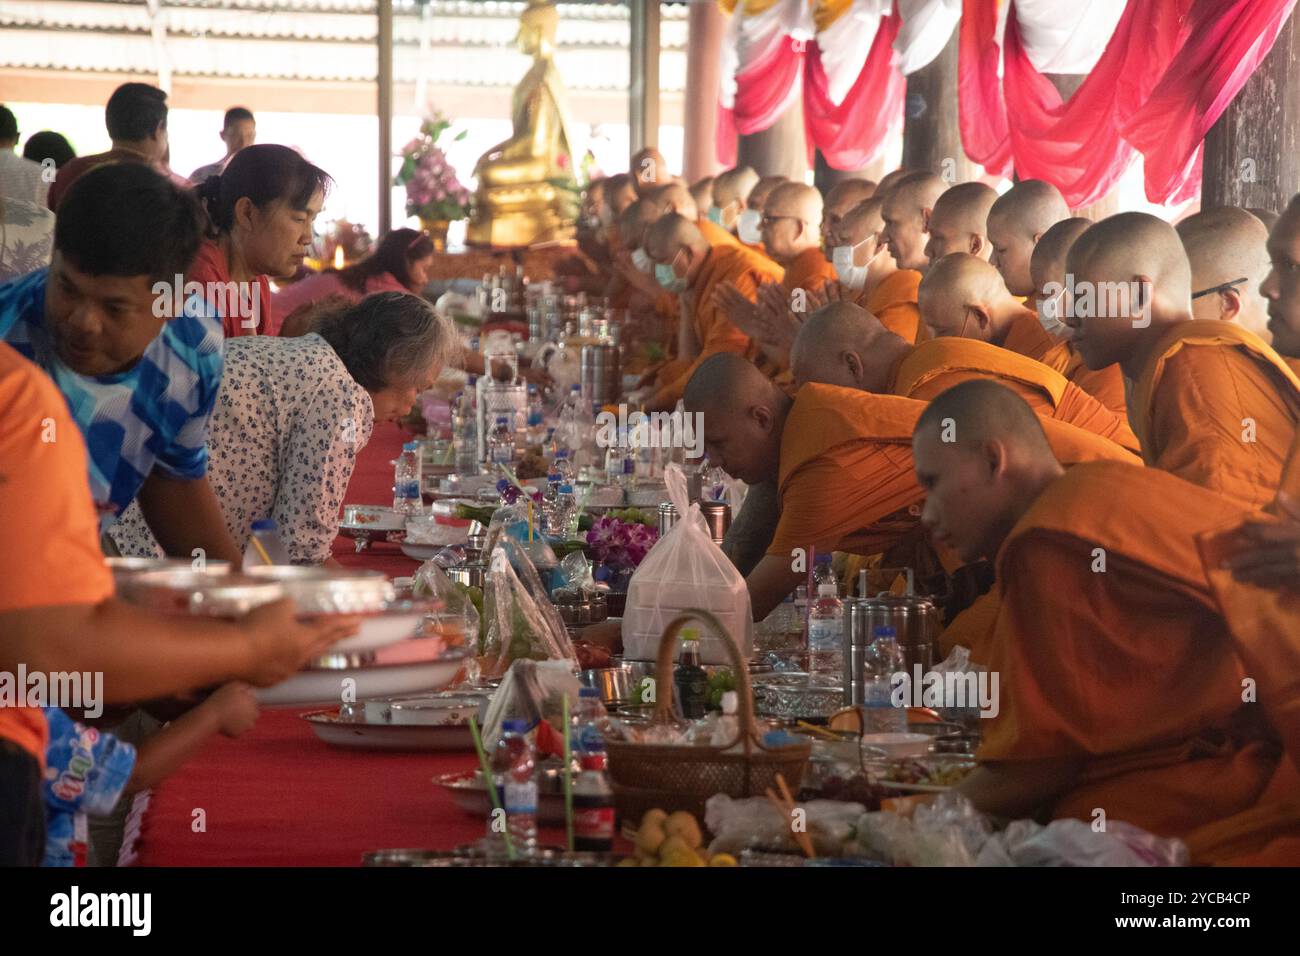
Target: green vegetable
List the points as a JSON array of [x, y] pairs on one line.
[[480, 513]]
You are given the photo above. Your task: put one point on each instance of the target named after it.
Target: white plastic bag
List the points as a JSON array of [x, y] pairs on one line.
[[685, 569]]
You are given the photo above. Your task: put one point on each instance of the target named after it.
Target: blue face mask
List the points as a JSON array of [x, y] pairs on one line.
[[715, 215], [668, 280]]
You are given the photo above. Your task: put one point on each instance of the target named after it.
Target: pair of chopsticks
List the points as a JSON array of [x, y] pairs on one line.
[[819, 731], [785, 805]]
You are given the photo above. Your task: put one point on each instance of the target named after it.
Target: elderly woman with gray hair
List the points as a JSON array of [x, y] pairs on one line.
[[292, 414]]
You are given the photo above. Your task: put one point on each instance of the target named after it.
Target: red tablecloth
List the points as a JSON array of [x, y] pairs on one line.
[[279, 796]]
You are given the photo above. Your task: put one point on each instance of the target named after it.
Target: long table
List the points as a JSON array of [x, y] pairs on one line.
[[278, 796]]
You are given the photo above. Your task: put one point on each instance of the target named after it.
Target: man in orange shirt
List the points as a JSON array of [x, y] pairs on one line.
[[58, 612], [959, 222], [1047, 269], [907, 210], [979, 326], [1208, 400], [868, 275], [1121, 694], [687, 265], [749, 224], [1016, 222]]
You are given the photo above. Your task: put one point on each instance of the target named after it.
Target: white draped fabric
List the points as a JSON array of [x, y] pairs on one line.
[[845, 43], [1066, 36]]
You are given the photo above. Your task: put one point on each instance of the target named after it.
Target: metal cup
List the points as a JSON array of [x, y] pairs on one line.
[[717, 515]]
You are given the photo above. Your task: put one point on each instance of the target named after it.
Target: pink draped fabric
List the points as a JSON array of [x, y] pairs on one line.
[[1168, 72], [763, 91], [852, 133]]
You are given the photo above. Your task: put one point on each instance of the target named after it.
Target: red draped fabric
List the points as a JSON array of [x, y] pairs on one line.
[[764, 89], [852, 133], [1168, 72]]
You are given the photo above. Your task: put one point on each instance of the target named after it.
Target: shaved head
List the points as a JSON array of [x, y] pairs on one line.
[[842, 197], [959, 222], [792, 221], [1047, 264], [744, 415], [1228, 252], [634, 221], [619, 192], [762, 189], [859, 230], [676, 242], [734, 185], [982, 458], [1267, 216], [649, 168], [702, 193], [906, 212], [1016, 222], [1282, 286], [673, 196], [1131, 280], [843, 344], [962, 295], [891, 179]]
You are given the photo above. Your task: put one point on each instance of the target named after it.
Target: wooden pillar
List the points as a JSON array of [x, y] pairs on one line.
[[706, 28], [1066, 84], [825, 177], [1252, 154], [779, 150], [931, 135], [643, 108], [385, 110]]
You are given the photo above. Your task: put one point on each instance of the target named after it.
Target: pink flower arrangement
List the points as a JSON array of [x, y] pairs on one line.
[[620, 544], [432, 189]]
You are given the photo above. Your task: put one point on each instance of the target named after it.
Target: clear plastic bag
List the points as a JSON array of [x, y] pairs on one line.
[[459, 614], [1075, 843], [753, 823], [533, 691], [521, 621], [685, 569]]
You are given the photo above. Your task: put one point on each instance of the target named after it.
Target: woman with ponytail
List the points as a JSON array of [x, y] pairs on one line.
[[399, 263], [260, 213]]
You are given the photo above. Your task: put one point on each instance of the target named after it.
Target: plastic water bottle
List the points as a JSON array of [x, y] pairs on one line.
[[563, 466], [514, 774], [406, 481], [550, 498], [501, 443], [588, 723], [884, 659], [535, 416], [614, 456], [451, 556], [826, 626], [265, 532], [566, 510], [464, 434]]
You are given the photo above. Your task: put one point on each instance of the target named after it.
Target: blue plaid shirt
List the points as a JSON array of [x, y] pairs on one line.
[[154, 415]]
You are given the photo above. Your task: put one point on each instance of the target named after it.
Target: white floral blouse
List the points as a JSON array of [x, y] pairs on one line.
[[282, 443]]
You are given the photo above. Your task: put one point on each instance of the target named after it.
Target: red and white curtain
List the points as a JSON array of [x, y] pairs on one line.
[[1159, 73]]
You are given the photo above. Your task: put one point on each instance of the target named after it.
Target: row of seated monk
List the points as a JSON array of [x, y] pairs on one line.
[[1097, 422]]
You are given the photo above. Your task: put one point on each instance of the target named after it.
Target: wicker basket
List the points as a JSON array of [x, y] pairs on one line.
[[683, 777]]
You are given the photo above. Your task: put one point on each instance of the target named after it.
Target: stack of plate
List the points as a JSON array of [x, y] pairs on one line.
[[198, 592]]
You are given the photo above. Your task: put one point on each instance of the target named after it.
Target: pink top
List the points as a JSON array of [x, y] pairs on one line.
[[316, 287], [237, 316]]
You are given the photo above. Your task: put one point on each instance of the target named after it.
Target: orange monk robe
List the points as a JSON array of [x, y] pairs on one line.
[[847, 481], [933, 367], [1129, 669], [1028, 337], [808, 271], [714, 331], [1218, 407], [893, 301]]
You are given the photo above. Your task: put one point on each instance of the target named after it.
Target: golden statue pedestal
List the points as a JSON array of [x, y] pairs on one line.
[[522, 215]]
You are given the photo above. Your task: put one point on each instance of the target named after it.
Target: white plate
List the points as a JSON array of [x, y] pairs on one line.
[[372, 518], [326, 686], [468, 793], [360, 734], [421, 552], [380, 630]]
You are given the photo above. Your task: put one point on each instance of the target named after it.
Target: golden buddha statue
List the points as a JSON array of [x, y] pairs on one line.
[[526, 187]]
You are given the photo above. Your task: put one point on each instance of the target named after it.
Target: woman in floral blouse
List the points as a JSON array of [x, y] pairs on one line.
[[293, 413]]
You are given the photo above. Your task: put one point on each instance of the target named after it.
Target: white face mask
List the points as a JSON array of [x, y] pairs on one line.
[[1049, 314], [851, 276], [749, 227], [642, 261]]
